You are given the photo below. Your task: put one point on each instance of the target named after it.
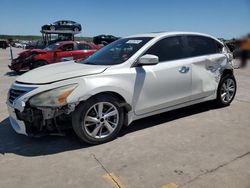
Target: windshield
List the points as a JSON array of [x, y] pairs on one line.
[[51, 47], [117, 52]]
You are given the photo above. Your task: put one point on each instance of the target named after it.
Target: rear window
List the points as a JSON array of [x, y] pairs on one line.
[[199, 45]]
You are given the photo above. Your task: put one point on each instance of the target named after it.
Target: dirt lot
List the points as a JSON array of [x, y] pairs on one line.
[[198, 146]]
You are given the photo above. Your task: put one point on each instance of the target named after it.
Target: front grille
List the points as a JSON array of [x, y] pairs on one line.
[[14, 94]]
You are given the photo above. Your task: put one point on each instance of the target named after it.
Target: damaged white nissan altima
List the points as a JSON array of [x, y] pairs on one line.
[[131, 78]]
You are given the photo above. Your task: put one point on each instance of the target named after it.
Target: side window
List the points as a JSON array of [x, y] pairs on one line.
[[198, 46], [84, 47], [67, 47], [167, 49]]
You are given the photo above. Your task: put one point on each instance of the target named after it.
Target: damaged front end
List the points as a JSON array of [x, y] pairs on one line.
[[44, 113], [21, 64], [25, 60], [40, 121]]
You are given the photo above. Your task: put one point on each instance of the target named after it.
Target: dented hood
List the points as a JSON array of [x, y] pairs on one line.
[[59, 71], [38, 51], [27, 53]]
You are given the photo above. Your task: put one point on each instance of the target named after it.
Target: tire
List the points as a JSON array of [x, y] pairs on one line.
[[37, 64], [226, 90], [93, 128], [52, 28]]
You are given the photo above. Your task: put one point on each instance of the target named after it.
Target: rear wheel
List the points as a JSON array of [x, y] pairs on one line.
[[76, 29], [98, 120], [226, 90]]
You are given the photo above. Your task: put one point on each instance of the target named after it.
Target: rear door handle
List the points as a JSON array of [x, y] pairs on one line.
[[184, 69]]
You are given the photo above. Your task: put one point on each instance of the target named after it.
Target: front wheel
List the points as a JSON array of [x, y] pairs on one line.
[[52, 28], [98, 120], [226, 90]]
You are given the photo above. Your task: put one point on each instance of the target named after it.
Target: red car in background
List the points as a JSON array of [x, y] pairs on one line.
[[57, 52]]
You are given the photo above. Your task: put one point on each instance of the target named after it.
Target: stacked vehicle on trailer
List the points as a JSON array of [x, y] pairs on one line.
[[63, 48]]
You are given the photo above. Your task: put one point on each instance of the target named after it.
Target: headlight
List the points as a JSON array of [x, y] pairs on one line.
[[53, 98]]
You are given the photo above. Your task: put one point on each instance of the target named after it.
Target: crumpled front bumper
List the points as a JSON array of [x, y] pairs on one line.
[[19, 65], [17, 125], [16, 103], [35, 121]]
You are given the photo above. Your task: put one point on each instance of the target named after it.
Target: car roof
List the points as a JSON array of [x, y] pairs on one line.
[[68, 42], [65, 21], [82, 42], [166, 34]]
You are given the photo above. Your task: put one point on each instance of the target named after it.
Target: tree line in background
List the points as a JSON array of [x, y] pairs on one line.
[[36, 37]]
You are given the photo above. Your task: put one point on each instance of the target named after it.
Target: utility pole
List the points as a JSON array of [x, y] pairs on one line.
[[11, 53]]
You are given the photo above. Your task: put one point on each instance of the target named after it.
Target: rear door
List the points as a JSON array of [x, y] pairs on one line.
[[206, 60], [166, 84]]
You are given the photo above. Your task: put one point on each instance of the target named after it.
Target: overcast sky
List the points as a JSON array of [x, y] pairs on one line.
[[221, 18]]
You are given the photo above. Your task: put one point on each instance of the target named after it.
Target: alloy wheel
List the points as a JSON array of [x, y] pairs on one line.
[[101, 120], [227, 90], [52, 28], [76, 29]]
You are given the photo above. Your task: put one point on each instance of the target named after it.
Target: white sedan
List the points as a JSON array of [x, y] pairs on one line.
[[20, 45], [129, 79]]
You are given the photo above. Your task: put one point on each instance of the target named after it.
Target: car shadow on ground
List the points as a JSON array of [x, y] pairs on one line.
[[167, 117], [10, 142], [13, 73]]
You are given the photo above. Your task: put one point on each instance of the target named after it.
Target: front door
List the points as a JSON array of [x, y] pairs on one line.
[[166, 84], [65, 53]]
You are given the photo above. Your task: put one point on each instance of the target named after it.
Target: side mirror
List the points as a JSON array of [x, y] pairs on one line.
[[148, 59]]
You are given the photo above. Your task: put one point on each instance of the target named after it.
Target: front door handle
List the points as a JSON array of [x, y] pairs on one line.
[[184, 69]]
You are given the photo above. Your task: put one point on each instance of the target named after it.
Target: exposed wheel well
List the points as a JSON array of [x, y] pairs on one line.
[[120, 98], [127, 107], [226, 72]]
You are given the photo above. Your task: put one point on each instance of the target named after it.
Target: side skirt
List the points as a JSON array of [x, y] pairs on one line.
[[132, 117]]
